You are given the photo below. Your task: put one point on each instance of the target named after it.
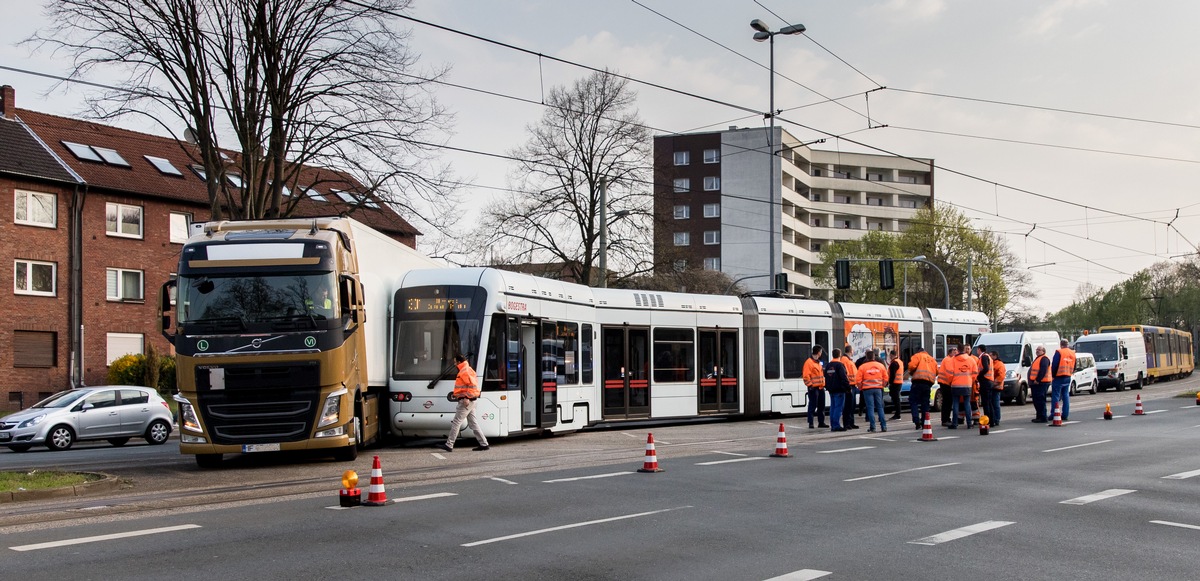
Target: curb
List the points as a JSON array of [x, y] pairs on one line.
[[106, 483]]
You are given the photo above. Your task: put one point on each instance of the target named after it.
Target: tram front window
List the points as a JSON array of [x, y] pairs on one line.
[[432, 325]]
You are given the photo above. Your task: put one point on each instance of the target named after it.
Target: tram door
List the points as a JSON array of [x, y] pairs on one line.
[[529, 369], [719, 377], [626, 369], [548, 385]]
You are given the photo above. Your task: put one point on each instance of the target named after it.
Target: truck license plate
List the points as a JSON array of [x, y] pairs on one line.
[[247, 448]]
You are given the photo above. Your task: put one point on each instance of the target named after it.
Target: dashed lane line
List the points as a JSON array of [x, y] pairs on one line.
[[899, 472], [801, 575], [1076, 446], [570, 526], [98, 538], [1182, 475], [727, 453], [592, 477], [840, 450], [1110, 493], [502, 481], [1175, 524], [730, 461], [961, 532]]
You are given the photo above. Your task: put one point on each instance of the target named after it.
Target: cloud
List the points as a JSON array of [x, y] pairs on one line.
[[1050, 18], [916, 10]]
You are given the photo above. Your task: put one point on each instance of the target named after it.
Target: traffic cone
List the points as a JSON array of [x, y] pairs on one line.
[[350, 494], [376, 496], [983, 425], [1108, 411], [651, 463], [1137, 407], [1057, 415], [927, 431], [781, 445]]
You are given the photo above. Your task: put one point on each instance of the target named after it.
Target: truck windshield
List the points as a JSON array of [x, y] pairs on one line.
[[240, 300], [1101, 350], [1009, 354], [432, 325]]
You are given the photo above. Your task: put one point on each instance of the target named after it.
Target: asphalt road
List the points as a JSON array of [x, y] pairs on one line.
[[845, 506]]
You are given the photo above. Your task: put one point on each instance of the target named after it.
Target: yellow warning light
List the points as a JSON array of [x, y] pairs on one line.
[[983, 420], [349, 479]]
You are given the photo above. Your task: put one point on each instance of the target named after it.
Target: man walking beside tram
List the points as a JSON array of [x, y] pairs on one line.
[[813, 376], [838, 386], [1039, 380], [872, 377], [924, 371], [466, 391], [961, 385], [1064, 368]]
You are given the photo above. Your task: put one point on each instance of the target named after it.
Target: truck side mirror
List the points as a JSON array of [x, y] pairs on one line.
[[165, 298], [1124, 352], [349, 298]]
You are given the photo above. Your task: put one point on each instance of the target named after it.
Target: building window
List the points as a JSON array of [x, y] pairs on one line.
[[844, 224], [841, 199], [179, 227], [122, 344], [34, 278], [712, 156], [712, 184], [683, 157], [816, 222], [35, 209], [816, 197], [712, 236], [712, 210], [683, 238], [124, 285], [816, 247], [680, 265], [123, 220], [682, 185], [874, 201], [683, 212], [712, 264], [874, 177], [35, 349], [908, 203], [816, 172], [163, 165]]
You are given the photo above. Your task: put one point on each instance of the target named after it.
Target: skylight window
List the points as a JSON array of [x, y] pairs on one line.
[[234, 179], [346, 196], [83, 152], [111, 156], [311, 193], [199, 169], [163, 165]]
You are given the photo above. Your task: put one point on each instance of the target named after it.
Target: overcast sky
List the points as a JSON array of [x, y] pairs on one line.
[[1082, 116]]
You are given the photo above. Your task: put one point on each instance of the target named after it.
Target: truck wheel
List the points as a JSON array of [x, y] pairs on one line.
[[1022, 394], [208, 461], [1121, 383], [1141, 382]]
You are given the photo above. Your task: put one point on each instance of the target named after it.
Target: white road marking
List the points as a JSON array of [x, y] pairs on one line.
[[846, 450], [630, 435], [1070, 422], [586, 477], [1077, 446], [1006, 430], [1154, 412], [1114, 417], [503, 481], [899, 472], [1110, 493], [1175, 524], [727, 453], [1190, 407], [1183, 475], [948, 437], [82, 540], [715, 462], [801, 575], [570, 526], [961, 532], [438, 456], [424, 497], [876, 438]]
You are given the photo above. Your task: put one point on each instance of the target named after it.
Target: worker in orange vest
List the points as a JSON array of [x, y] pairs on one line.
[[987, 384], [945, 374], [852, 375], [1039, 380], [998, 373], [814, 379], [466, 391], [923, 370], [965, 369], [895, 382], [1064, 369], [872, 378]]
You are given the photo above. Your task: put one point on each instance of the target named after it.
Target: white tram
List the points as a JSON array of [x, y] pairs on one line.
[[555, 356]]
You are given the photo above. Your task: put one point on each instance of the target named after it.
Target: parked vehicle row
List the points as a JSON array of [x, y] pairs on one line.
[[114, 413]]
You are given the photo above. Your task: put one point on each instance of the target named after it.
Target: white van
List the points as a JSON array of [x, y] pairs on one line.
[[1016, 351], [1120, 358], [1084, 377]]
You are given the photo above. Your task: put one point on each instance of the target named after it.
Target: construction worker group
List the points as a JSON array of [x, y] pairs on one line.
[[971, 385]]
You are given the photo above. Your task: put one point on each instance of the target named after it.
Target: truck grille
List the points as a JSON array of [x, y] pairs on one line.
[[261, 404]]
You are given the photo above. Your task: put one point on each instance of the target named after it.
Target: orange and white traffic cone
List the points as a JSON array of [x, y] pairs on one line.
[[376, 496], [651, 463], [927, 431], [1057, 415], [781, 445], [1108, 411], [1137, 407]]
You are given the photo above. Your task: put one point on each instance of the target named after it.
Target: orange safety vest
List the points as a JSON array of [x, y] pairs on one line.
[[986, 373], [1036, 367], [945, 371], [466, 383], [923, 367], [898, 380], [964, 369], [872, 375], [851, 370], [813, 375], [1066, 363], [998, 370]]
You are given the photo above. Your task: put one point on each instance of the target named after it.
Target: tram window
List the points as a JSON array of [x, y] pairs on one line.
[[551, 354], [939, 347], [568, 353], [493, 368], [823, 341], [771, 354], [513, 365], [586, 360], [908, 345], [797, 346], [674, 355]]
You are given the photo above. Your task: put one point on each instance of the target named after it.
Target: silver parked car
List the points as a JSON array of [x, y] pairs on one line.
[[109, 412]]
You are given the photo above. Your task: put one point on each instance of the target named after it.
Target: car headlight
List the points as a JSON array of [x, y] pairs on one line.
[[32, 421], [1010, 374], [332, 408], [187, 415]]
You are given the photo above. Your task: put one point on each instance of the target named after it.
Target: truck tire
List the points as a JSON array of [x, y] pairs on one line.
[[1141, 382], [1121, 383], [1022, 394]]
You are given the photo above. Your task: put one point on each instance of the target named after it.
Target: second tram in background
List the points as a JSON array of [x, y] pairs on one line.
[[554, 356], [1169, 352]]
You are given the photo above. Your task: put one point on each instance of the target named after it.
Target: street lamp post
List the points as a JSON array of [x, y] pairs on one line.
[[763, 32], [604, 231]]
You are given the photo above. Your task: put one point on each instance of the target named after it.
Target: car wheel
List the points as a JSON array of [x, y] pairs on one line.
[[937, 401], [158, 432], [1074, 389], [1095, 386], [1022, 394], [1121, 383], [118, 442], [1141, 382], [208, 461], [60, 438], [20, 447]]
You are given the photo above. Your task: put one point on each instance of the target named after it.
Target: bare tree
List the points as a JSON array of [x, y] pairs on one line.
[[322, 83], [589, 135]]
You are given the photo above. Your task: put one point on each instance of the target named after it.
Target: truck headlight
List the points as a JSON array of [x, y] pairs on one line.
[[32, 421], [187, 415], [1010, 374], [332, 408]]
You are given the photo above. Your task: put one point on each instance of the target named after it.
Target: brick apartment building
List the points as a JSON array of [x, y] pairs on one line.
[[721, 203], [96, 218]]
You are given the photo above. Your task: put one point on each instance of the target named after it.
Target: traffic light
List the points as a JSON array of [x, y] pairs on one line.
[[842, 273], [781, 281], [887, 277]]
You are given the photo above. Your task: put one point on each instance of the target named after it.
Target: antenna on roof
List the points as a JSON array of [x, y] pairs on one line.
[[189, 135]]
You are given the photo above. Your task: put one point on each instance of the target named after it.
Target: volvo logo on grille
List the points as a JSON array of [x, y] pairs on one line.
[[256, 343]]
